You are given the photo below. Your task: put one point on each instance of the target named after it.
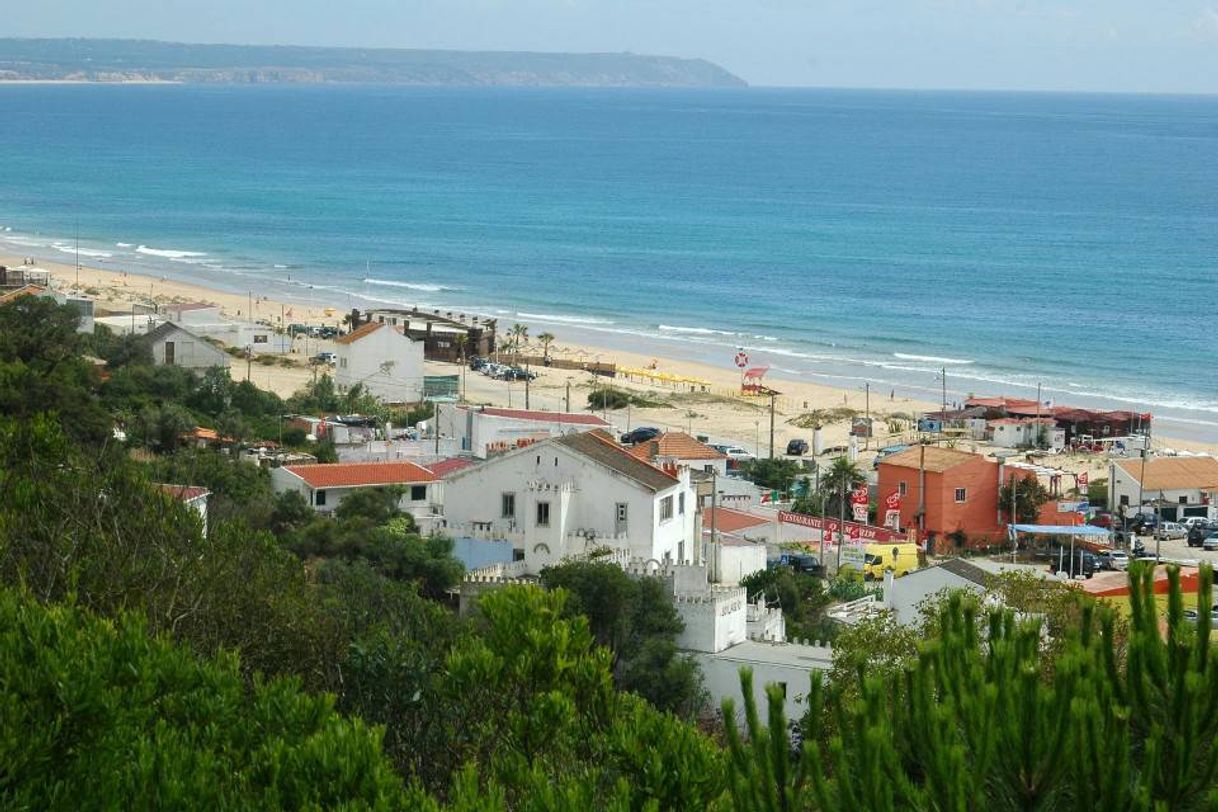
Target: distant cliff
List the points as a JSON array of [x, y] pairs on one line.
[[110, 60]]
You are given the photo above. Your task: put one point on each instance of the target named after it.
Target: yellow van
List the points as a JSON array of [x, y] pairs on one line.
[[881, 557]]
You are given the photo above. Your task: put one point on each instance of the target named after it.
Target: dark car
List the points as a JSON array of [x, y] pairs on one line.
[[1196, 535], [1102, 520], [640, 435], [797, 448], [1083, 562]]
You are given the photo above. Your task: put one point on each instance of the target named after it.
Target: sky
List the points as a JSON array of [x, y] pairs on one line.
[[1160, 46]]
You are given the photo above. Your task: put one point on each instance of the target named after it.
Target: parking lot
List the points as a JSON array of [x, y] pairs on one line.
[[1178, 550]]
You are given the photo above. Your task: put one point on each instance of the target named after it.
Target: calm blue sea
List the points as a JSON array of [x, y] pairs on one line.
[[1015, 239]]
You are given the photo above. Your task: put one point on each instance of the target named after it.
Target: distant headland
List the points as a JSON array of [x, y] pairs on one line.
[[149, 61]]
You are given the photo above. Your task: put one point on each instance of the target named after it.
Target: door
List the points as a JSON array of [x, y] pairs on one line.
[[619, 519], [169, 353]]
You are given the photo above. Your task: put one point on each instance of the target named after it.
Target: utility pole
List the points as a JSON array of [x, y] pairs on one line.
[[1036, 430], [249, 355], [943, 414], [526, 389], [922, 493], [436, 428], [714, 550], [841, 523], [567, 400], [1158, 525], [867, 413], [771, 425]]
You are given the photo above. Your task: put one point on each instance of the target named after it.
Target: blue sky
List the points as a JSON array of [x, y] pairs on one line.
[[1106, 45]]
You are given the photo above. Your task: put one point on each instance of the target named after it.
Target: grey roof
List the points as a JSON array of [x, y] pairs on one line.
[[910, 590], [599, 448], [966, 570], [754, 652]]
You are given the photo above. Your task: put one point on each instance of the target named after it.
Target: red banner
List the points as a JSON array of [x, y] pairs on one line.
[[854, 530]]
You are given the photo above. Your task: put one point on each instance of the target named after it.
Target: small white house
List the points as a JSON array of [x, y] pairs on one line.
[[567, 495], [679, 447], [194, 497], [172, 345], [382, 359], [484, 431], [1182, 486], [325, 486], [1029, 432]]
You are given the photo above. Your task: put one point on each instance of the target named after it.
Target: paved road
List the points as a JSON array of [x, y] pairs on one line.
[[1179, 549]]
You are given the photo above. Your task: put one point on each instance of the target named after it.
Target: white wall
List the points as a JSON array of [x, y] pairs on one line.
[[189, 352], [721, 674], [714, 620], [385, 362], [738, 561], [547, 471], [283, 480], [475, 430]]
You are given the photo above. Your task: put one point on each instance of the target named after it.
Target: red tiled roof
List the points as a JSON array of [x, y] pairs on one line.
[[185, 493], [24, 290], [443, 468], [359, 332], [727, 520], [678, 445], [361, 474], [574, 418], [1174, 473]]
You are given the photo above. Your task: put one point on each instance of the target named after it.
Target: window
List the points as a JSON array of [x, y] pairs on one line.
[[1184, 500], [782, 686], [319, 498], [261, 338], [507, 506], [543, 514], [666, 508], [681, 503], [902, 488], [342, 362], [961, 494], [418, 493]]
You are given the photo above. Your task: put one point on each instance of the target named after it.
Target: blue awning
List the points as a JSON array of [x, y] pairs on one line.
[[1061, 530]]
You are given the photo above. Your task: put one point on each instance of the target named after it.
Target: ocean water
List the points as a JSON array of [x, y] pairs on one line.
[[846, 237]]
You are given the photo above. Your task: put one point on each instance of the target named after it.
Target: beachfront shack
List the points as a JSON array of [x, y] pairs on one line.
[[445, 336]]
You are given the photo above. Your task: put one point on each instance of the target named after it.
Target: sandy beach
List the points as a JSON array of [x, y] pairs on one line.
[[713, 408]]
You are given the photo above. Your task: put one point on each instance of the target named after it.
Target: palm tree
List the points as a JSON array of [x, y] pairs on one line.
[[546, 340], [837, 482], [519, 337]]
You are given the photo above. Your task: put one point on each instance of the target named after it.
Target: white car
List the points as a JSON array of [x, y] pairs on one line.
[[735, 452], [1118, 559], [1171, 530]]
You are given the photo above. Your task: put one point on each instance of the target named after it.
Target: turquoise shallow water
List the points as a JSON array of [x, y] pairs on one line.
[[1014, 239]]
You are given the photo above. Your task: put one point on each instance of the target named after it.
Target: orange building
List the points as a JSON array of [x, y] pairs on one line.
[[961, 492]]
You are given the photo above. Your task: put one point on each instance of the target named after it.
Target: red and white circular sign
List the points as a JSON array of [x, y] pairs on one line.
[[742, 359]]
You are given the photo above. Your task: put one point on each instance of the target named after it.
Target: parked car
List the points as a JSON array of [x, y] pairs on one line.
[[1106, 520], [735, 452], [1210, 542], [1170, 530], [477, 363], [1191, 616], [1195, 521], [1137, 549], [325, 358], [1196, 535], [797, 447], [640, 435], [1117, 560], [1083, 562], [1143, 523]]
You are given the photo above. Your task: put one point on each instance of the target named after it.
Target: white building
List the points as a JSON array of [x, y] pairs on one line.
[[484, 431], [383, 360], [679, 447], [325, 486], [1026, 432], [205, 320], [172, 345], [567, 495], [194, 497], [1182, 486]]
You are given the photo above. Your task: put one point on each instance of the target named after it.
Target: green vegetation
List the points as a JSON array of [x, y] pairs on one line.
[[776, 474], [607, 397], [823, 417], [1030, 496], [288, 660], [970, 720]]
